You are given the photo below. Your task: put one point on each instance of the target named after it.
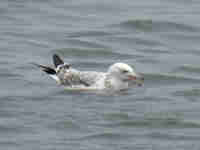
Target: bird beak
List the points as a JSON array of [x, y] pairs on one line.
[[138, 78], [132, 77]]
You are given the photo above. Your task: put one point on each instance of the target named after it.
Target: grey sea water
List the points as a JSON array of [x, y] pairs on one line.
[[160, 38]]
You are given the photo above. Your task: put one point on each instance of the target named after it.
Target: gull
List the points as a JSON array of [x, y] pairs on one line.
[[119, 76]]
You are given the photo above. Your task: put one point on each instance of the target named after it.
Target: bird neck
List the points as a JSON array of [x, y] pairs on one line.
[[115, 83]]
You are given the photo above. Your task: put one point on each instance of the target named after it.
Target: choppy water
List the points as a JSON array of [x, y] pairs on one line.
[[160, 38]]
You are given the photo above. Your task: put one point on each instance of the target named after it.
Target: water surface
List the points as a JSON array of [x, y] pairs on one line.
[[159, 38]]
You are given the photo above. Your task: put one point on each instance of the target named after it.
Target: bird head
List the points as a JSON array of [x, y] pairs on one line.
[[125, 73]]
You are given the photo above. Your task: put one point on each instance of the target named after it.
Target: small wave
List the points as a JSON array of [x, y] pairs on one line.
[[9, 143], [188, 93], [158, 50], [188, 68], [136, 41], [162, 121], [105, 135], [170, 120], [9, 75], [65, 125], [145, 25], [116, 116], [166, 79], [156, 26], [4, 62], [86, 44], [173, 136], [195, 52], [37, 43], [14, 128], [94, 53], [149, 61], [154, 98], [88, 34]]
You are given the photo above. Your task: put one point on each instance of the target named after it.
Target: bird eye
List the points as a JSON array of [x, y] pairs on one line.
[[66, 66], [60, 67], [124, 71]]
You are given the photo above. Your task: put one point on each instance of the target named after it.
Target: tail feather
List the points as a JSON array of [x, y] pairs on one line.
[[50, 71], [46, 69], [57, 60]]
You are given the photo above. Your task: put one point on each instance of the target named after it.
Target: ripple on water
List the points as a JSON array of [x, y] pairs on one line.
[[190, 94], [5, 73], [88, 34], [149, 25], [116, 116], [4, 62], [9, 143], [86, 43], [93, 54], [157, 50], [129, 39], [188, 68], [149, 120], [149, 60], [174, 136], [65, 125], [168, 79], [105, 136], [169, 120]]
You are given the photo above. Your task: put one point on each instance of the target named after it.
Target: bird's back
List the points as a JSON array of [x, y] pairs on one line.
[[73, 78]]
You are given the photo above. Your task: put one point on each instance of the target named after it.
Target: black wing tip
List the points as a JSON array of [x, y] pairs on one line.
[[84, 83], [57, 60], [49, 70], [46, 69]]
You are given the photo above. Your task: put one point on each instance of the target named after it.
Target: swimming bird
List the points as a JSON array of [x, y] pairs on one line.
[[118, 77]]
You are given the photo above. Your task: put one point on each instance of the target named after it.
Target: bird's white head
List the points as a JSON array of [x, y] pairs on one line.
[[124, 72]]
